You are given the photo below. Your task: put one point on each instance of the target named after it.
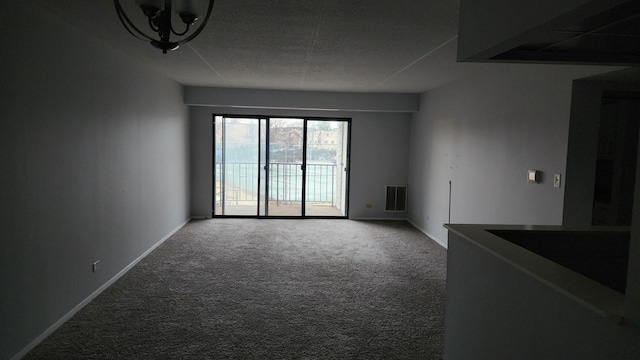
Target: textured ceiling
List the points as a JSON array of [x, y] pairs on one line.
[[333, 45]]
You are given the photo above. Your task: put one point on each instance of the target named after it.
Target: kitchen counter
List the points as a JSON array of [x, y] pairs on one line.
[[508, 296]]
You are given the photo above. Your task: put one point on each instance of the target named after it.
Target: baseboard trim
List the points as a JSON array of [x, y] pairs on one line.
[[377, 218], [431, 236], [86, 301]]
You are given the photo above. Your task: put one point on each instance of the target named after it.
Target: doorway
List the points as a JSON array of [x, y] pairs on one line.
[[616, 162], [280, 166]]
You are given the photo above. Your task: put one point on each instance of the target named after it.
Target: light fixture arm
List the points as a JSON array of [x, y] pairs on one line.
[[160, 23], [131, 28], [198, 30]]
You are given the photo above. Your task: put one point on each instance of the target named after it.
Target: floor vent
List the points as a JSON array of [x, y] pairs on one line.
[[395, 198]]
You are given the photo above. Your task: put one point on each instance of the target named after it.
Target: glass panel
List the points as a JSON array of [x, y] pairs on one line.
[[237, 166], [217, 171], [326, 161], [285, 167]]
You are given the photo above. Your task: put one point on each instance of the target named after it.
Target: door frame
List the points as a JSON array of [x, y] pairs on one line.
[[346, 169]]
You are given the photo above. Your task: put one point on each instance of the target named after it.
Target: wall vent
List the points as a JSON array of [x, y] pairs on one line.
[[395, 198]]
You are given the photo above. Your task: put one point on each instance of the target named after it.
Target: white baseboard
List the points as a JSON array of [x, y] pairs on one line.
[[377, 218], [431, 236], [440, 242], [86, 301]]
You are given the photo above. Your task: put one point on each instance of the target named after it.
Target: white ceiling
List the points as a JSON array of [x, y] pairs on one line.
[[331, 45]]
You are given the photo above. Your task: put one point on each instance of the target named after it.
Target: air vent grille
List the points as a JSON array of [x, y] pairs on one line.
[[396, 198]]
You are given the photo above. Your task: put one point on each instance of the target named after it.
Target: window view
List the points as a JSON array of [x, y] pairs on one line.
[[284, 191], [288, 167], [326, 176], [237, 166]]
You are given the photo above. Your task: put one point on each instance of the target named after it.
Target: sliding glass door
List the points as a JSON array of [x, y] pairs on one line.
[[286, 140], [326, 168], [238, 154], [280, 167]]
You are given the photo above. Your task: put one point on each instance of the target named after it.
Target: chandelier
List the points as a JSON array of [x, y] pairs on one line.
[[160, 23]]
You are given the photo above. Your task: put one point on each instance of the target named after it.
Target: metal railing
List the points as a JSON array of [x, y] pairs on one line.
[[240, 182]]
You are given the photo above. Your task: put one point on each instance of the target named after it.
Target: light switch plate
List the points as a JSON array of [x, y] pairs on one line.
[[556, 180]]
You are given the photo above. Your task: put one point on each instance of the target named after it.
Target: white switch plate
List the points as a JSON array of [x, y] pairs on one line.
[[556, 180]]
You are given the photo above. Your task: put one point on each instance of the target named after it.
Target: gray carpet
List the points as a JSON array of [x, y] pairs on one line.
[[269, 289]]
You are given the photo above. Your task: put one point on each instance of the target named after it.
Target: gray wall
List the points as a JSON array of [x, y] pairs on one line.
[[632, 296], [94, 155], [379, 150], [300, 100], [581, 153], [483, 134]]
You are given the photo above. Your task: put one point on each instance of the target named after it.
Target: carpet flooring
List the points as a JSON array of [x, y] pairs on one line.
[[269, 289]]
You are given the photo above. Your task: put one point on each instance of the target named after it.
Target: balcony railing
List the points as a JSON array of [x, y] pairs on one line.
[[285, 183]]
